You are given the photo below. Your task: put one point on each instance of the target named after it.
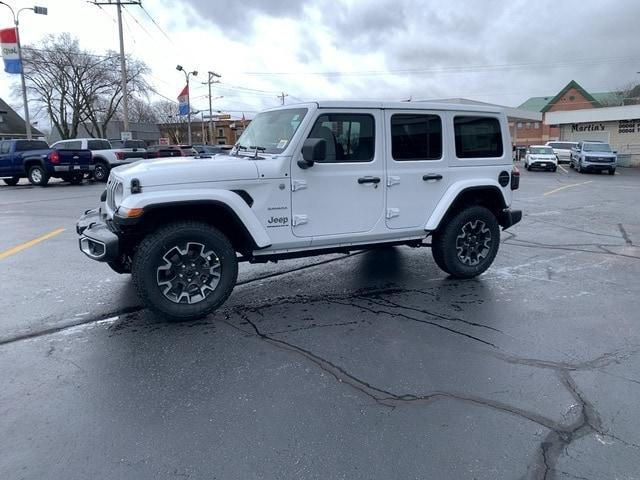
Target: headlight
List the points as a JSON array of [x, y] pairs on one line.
[[118, 194]]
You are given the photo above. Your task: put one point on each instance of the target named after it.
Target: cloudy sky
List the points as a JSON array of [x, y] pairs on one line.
[[489, 50]]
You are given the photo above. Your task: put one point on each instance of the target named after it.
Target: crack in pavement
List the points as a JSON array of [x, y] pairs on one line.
[[560, 434], [625, 235]]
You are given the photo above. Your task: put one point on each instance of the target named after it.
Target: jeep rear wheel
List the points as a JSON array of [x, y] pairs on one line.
[[185, 270], [468, 243]]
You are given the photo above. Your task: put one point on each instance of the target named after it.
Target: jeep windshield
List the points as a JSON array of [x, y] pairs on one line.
[[271, 132], [596, 147]]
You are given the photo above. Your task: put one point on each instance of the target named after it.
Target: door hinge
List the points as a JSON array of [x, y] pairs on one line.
[[392, 180], [298, 185], [393, 212], [299, 220]]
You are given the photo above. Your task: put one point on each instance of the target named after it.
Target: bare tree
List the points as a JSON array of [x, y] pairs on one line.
[[627, 94], [141, 111], [75, 87], [167, 116], [52, 83]]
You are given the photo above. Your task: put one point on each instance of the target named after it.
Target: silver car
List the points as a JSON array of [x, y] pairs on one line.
[[562, 150]]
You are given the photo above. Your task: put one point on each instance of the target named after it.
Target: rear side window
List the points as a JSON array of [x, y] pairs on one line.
[[24, 145], [349, 137], [416, 137], [477, 137], [5, 148], [98, 145]]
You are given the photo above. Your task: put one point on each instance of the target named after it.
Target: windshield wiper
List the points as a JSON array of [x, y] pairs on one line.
[[257, 149]]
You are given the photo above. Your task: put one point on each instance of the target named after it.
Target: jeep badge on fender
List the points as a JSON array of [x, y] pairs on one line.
[[356, 175]]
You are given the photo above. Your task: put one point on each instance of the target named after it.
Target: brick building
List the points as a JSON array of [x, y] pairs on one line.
[[571, 97]]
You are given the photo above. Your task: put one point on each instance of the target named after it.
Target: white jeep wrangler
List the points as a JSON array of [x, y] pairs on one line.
[[304, 180]]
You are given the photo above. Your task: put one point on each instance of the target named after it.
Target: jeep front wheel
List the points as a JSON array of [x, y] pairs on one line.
[[185, 270], [466, 245]]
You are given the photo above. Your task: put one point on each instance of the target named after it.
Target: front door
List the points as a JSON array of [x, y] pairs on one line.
[[417, 174], [6, 167], [345, 193]]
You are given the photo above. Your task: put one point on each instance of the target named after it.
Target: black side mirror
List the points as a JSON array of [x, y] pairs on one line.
[[313, 150]]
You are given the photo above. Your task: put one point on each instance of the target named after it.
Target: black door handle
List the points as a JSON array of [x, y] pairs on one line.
[[362, 180], [432, 177]]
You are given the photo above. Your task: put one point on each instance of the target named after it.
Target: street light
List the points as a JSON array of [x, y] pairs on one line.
[[186, 76], [16, 18]]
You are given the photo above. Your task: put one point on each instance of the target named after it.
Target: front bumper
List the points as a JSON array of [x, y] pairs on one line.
[[599, 165], [96, 240], [510, 218], [544, 163]]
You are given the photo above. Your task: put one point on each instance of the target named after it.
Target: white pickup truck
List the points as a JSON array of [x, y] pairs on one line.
[[305, 180], [105, 157]]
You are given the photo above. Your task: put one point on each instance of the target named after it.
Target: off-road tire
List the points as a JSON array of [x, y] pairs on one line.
[[101, 171], [149, 256], [612, 171], [553, 169], [38, 175], [445, 240], [12, 182]]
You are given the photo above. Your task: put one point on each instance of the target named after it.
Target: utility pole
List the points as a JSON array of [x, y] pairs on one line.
[[16, 21], [211, 80], [281, 97], [123, 66], [186, 77]]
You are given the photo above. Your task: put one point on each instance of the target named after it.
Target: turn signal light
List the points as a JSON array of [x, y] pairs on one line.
[[130, 212]]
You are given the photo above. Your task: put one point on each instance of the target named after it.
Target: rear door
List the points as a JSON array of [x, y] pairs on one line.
[[417, 175], [345, 193]]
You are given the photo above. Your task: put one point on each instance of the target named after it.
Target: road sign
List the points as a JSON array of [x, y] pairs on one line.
[[126, 136], [163, 141]]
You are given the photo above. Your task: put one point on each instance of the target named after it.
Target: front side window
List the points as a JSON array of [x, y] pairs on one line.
[[349, 137], [272, 130], [416, 137], [477, 137]]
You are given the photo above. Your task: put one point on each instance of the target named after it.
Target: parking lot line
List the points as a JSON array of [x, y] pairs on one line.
[[565, 186], [30, 243], [563, 169]]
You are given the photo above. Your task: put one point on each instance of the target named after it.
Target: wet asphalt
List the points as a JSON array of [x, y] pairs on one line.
[[372, 365]]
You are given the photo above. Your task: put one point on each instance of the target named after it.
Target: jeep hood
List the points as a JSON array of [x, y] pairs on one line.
[[177, 170]]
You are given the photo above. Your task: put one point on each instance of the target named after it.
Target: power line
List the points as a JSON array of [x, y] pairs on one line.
[[156, 24]]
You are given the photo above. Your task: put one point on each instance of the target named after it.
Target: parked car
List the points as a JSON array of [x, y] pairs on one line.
[[212, 149], [105, 157], [541, 156], [562, 150], [308, 180], [137, 146], [34, 160], [161, 151], [593, 156]]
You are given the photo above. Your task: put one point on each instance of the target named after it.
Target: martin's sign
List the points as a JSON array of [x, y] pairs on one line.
[[587, 127]]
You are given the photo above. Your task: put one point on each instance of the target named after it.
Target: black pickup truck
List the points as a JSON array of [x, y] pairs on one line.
[[34, 160]]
